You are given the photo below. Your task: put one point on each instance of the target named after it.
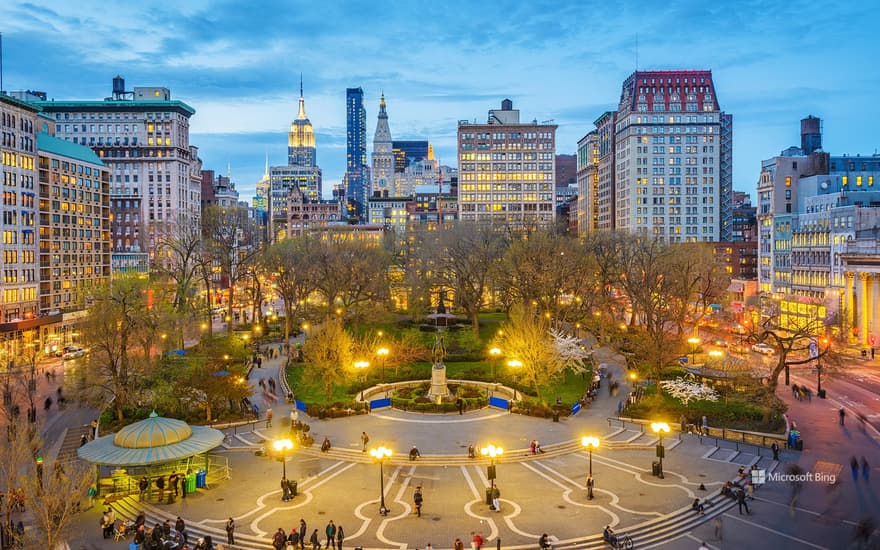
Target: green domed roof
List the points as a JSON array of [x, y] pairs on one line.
[[154, 431]]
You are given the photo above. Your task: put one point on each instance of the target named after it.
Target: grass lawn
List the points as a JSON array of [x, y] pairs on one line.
[[569, 388], [735, 411]]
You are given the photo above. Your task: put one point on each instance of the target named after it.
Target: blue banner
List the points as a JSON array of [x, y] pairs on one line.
[[576, 408], [380, 403], [498, 402], [300, 406]]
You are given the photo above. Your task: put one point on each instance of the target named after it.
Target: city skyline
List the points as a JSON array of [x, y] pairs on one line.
[[556, 62]]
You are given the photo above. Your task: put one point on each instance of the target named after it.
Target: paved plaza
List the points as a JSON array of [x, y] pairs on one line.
[[544, 493]]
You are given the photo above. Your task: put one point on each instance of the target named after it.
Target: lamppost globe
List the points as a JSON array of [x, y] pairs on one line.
[[514, 364], [383, 353], [282, 446], [492, 452], [495, 353]]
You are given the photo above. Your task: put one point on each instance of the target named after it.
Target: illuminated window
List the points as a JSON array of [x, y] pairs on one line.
[[858, 181], [844, 180], [870, 181], [788, 181]]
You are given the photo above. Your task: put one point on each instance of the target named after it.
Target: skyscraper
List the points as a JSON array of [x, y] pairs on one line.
[[383, 156], [301, 173], [357, 179], [507, 171]]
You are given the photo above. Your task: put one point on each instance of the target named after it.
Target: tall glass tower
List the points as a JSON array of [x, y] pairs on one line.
[[357, 179]]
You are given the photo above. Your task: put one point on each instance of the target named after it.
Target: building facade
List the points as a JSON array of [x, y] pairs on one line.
[[383, 155], [143, 139], [390, 212], [673, 143], [507, 171], [408, 152], [305, 215], [588, 183], [357, 177], [606, 172]]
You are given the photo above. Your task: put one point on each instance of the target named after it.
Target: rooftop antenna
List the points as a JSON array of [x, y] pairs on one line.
[[267, 163], [228, 170], [300, 84], [1, 62]]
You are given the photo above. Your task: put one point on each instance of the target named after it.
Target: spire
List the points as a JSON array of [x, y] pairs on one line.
[[302, 102], [382, 103], [228, 170], [267, 165]]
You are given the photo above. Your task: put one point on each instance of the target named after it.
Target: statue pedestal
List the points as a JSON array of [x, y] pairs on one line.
[[438, 383]]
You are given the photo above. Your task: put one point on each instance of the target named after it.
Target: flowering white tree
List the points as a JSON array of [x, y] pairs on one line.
[[570, 351], [688, 390]]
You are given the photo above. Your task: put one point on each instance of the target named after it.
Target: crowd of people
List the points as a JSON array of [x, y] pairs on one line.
[[334, 537]]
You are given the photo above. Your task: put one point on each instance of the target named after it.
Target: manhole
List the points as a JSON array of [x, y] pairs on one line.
[[561, 506], [219, 500]]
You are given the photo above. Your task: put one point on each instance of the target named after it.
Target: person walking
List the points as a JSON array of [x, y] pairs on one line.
[[364, 440], [417, 500], [279, 539], [330, 531], [590, 486], [842, 415], [719, 527], [269, 417], [340, 537], [457, 545], [230, 532], [160, 484], [302, 534], [866, 470], [854, 467], [172, 485], [705, 425], [460, 404], [314, 540], [143, 485], [476, 541], [775, 449], [285, 490], [741, 502], [496, 497]]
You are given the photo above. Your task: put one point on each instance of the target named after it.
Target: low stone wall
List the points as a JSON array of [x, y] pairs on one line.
[[382, 391]]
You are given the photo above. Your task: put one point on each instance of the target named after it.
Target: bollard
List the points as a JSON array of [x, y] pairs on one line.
[[498, 543]]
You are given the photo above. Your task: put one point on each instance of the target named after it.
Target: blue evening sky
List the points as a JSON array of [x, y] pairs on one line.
[[238, 64]]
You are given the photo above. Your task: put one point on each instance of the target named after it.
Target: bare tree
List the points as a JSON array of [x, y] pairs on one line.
[[231, 239], [471, 254], [54, 501], [289, 264], [178, 255], [351, 276], [792, 338]]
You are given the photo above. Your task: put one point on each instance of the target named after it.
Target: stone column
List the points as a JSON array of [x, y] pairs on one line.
[[848, 305], [863, 308]]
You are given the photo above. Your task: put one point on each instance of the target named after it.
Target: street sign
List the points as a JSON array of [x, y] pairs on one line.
[[814, 348]]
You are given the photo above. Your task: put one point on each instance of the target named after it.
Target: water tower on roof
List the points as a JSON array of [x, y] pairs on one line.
[[119, 92]]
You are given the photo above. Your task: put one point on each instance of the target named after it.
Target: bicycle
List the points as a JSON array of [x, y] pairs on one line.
[[621, 542]]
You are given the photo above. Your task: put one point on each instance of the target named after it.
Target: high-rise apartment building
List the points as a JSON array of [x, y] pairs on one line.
[[606, 172], [143, 139], [588, 183], [408, 152], [506, 170], [357, 175], [383, 156], [74, 226], [672, 157], [301, 173], [19, 302]]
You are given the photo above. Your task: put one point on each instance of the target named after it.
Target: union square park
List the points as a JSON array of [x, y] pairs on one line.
[[512, 402]]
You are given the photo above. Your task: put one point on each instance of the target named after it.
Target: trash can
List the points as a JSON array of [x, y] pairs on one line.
[[799, 444], [489, 496], [191, 483], [293, 487], [821, 394], [655, 468], [201, 478]]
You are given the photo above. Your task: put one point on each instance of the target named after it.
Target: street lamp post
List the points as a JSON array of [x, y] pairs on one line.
[[694, 342], [495, 353], [824, 342], [660, 428], [380, 454], [590, 443], [361, 366], [492, 452], [282, 446], [383, 353]]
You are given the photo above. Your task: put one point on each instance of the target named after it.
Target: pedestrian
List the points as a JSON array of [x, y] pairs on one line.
[[719, 526], [417, 500], [854, 467], [794, 391], [741, 502], [272, 385], [682, 422], [590, 486], [143, 485], [364, 440], [705, 425], [172, 483], [750, 490], [302, 534], [316, 544], [340, 537], [94, 426], [429, 546], [457, 545], [330, 530], [47, 404], [285, 489], [460, 404], [842, 415], [619, 408], [83, 440], [180, 527], [775, 449], [476, 541], [230, 532], [496, 497], [279, 539], [269, 417], [294, 415], [183, 486], [160, 484], [866, 470]]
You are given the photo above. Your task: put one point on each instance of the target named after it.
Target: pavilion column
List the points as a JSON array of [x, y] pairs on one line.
[[863, 309], [848, 305], [872, 308]]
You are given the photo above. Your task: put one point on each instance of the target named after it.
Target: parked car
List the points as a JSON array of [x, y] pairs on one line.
[[763, 349], [720, 343], [72, 352]]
